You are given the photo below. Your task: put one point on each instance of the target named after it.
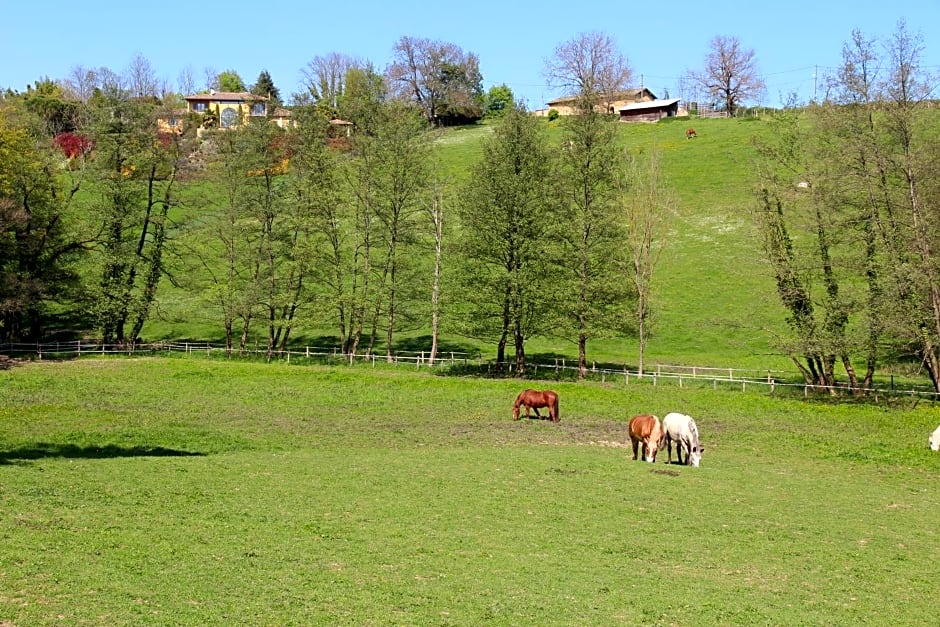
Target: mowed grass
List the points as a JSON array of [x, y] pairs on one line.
[[196, 492]]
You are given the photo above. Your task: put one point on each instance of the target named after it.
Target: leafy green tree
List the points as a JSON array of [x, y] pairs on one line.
[[364, 93], [592, 227], [498, 99], [56, 112], [323, 218], [592, 231], [135, 171], [857, 185], [506, 221], [390, 178], [40, 243], [260, 242], [229, 81]]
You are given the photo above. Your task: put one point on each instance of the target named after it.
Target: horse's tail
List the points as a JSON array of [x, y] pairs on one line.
[[555, 404]]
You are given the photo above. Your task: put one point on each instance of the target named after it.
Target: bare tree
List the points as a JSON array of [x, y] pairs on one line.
[[648, 206], [141, 78], [730, 73], [325, 77], [439, 76], [435, 211], [81, 82], [186, 81], [591, 67]]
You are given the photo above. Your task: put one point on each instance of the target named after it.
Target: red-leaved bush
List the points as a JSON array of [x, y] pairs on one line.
[[73, 144]]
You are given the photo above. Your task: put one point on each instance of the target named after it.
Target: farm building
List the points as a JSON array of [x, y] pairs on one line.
[[651, 111], [567, 105]]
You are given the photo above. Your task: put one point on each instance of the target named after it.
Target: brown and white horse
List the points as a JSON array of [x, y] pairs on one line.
[[646, 430]]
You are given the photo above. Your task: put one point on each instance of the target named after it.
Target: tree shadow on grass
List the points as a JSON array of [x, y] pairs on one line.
[[45, 450]]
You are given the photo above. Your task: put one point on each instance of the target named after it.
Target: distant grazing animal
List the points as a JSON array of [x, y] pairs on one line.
[[682, 430], [534, 399], [648, 431], [690, 133], [935, 440]]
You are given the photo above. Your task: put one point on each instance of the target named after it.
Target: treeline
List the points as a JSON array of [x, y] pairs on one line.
[[309, 228], [849, 209], [278, 230]]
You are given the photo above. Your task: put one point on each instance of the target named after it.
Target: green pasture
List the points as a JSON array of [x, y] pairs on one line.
[[190, 491]]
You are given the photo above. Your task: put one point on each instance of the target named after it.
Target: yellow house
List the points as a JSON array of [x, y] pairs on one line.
[[171, 122], [229, 108]]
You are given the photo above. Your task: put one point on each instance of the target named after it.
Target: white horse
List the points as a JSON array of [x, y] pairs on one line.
[[682, 430], [934, 440]]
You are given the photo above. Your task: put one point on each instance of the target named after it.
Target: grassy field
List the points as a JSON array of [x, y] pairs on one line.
[[184, 491]]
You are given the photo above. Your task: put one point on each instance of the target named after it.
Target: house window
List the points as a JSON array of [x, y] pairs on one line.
[[199, 107], [171, 121], [228, 118], [257, 108]]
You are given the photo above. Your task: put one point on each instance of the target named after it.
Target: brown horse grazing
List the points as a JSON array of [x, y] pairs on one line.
[[690, 133], [646, 432], [535, 399]]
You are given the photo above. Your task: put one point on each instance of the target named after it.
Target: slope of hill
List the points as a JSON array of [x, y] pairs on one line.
[[714, 300]]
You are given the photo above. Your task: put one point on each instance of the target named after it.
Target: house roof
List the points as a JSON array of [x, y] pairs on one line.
[[629, 94], [652, 104], [281, 112], [225, 95]]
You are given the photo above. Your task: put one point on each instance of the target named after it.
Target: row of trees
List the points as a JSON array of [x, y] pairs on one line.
[[849, 214], [277, 230], [280, 230]]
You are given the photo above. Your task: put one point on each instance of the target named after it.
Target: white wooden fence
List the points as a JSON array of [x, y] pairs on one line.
[[742, 379]]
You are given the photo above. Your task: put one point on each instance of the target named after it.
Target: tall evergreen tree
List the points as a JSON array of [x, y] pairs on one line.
[[265, 87]]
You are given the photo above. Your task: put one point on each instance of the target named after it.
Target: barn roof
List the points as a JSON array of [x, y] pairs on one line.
[[629, 94], [652, 104]]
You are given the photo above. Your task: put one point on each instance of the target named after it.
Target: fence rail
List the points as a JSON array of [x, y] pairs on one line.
[[727, 378]]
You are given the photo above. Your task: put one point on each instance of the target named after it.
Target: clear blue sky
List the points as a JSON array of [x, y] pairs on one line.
[[661, 40]]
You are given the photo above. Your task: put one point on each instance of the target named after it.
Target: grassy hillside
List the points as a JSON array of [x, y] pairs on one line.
[[714, 301]]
